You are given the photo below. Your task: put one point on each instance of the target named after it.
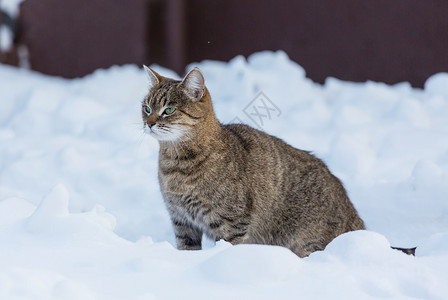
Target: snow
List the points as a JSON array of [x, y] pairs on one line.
[[82, 217], [6, 38]]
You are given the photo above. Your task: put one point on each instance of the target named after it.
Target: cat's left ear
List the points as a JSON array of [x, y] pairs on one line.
[[153, 77], [194, 84]]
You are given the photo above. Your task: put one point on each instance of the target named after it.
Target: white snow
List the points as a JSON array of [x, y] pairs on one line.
[[82, 217], [6, 38]]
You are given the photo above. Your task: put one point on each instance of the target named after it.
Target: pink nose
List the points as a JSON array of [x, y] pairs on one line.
[[150, 124]]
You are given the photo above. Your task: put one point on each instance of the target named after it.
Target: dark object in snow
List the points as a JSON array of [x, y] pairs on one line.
[[409, 251]]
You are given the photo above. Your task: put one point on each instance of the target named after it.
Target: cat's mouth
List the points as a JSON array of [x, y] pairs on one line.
[[166, 133]]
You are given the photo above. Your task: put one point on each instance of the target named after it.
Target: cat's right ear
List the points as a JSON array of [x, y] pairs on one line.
[[194, 84], [153, 77]]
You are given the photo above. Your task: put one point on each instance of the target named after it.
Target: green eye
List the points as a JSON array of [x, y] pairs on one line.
[[169, 110], [148, 109]]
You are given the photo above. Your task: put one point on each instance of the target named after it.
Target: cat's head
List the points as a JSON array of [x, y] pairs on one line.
[[173, 109]]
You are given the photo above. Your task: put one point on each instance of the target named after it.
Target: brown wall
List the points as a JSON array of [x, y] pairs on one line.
[[381, 40], [74, 37]]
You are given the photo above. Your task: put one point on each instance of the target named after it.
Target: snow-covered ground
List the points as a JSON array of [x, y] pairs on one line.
[[82, 217]]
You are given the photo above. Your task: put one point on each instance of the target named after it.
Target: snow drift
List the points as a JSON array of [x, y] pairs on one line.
[[82, 217]]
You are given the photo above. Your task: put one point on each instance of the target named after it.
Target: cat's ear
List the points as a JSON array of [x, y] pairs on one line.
[[194, 84], [153, 77]]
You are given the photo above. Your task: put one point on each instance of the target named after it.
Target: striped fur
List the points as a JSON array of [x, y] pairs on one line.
[[236, 183]]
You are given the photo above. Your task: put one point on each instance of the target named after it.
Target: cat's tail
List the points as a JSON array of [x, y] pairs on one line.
[[408, 251]]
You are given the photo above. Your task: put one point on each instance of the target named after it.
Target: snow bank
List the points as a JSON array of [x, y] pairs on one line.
[[82, 217]]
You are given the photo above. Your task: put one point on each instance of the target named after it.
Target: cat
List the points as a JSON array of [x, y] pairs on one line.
[[237, 183]]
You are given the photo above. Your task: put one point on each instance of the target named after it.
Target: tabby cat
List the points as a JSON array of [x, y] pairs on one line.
[[234, 182]]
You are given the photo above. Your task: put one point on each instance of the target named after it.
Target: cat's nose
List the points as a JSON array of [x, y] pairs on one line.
[[150, 124]]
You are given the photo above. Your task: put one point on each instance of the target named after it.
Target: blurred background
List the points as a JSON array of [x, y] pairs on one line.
[[379, 40]]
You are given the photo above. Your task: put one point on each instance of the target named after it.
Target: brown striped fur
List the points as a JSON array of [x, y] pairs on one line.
[[236, 183]]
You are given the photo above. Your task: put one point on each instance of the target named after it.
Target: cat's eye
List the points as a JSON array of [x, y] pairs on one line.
[[169, 110], [148, 109]]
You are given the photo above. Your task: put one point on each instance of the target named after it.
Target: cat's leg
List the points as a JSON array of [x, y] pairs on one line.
[[233, 232], [231, 229], [305, 249], [187, 237], [304, 244], [236, 237]]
